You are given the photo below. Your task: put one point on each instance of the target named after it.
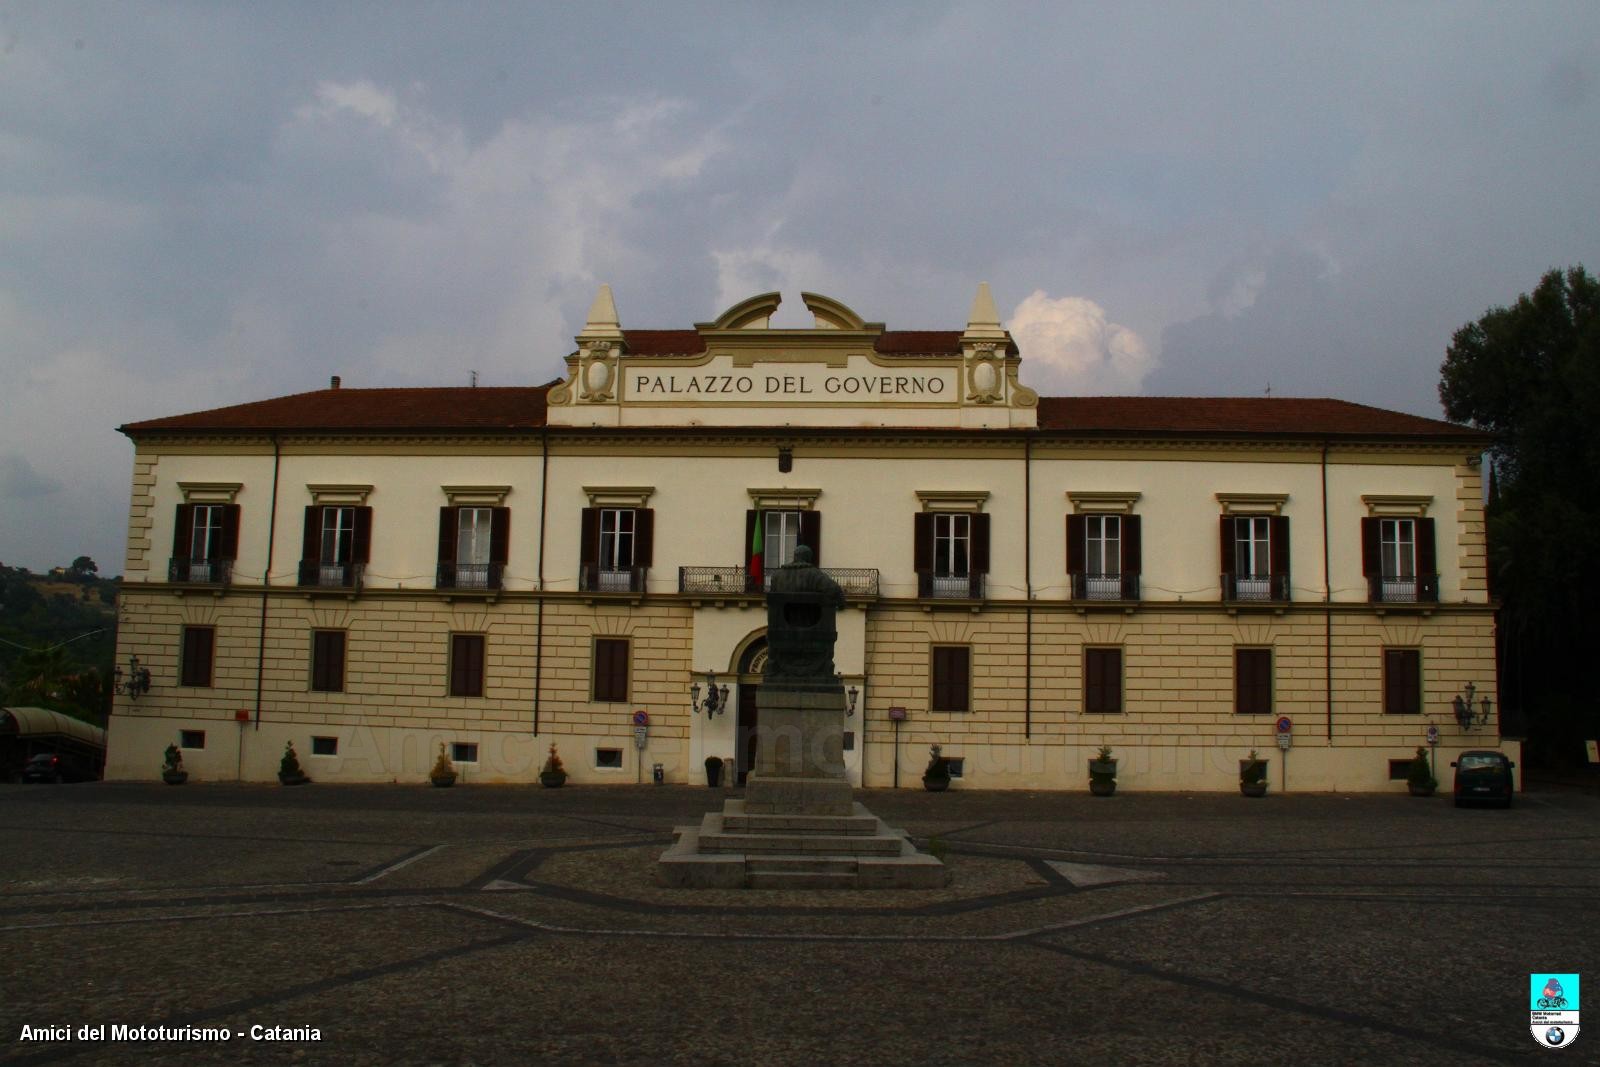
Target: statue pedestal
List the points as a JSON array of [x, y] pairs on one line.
[[799, 753]]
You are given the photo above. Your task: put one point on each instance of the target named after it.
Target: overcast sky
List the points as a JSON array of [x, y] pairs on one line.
[[209, 204]]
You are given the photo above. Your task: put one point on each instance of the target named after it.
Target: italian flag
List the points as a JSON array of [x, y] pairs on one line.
[[756, 551]]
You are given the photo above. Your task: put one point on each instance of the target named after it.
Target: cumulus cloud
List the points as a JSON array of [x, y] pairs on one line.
[[1069, 345]]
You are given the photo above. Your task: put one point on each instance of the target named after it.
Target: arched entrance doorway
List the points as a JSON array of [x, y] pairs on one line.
[[752, 664]]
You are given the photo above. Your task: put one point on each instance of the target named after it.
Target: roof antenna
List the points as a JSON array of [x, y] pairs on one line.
[[474, 379], [1269, 388]]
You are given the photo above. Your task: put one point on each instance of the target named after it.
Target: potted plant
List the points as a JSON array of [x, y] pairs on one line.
[[1253, 775], [936, 779], [713, 771], [172, 771], [289, 772], [444, 772], [553, 775], [1103, 773], [1420, 779]]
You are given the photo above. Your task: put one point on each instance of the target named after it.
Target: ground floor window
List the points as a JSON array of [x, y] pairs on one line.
[[1252, 681], [327, 661], [199, 646], [610, 677], [1102, 680], [324, 746], [1402, 681], [464, 751], [191, 739], [952, 678], [466, 665]]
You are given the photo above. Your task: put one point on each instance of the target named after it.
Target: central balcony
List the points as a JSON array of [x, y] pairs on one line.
[[1257, 588], [950, 586], [1123, 586], [857, 582], [1415, 589]]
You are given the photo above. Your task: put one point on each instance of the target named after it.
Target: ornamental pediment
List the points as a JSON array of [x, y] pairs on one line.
[[739, 369]]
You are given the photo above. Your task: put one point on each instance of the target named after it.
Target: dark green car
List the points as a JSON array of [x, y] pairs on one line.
[[1483, 776]]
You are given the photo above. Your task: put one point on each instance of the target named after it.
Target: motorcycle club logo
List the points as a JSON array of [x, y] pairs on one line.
[[1553, 1008]]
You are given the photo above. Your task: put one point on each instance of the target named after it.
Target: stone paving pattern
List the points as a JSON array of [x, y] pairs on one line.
[[514, 925]]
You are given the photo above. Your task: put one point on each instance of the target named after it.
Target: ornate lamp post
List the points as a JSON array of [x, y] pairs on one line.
[[135, 682], [1467, 716], [716, 698]]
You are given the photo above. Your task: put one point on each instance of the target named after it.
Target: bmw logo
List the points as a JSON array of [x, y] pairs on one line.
[[1555, 1035]]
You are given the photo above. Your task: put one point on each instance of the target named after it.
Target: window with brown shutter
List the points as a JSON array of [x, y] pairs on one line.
[[1402, 681], [199, 649], [327, 661], [951, 678], [1252, 681], [466, 665], [610, 679], [1102, 680]]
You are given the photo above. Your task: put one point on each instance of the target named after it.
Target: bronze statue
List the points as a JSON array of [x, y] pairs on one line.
[[800, 625]]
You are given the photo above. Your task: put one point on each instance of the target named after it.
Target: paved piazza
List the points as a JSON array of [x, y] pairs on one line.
[[513, 925]]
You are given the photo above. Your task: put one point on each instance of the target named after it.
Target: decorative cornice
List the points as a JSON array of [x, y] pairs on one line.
[[1396, 504], [971, 500], [618, 496], [209, 492], [1103, 502], [464, 495], [1252, 503], [784, 499], [339, 494]]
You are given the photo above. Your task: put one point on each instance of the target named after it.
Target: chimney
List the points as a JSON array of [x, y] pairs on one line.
[[333, 383]]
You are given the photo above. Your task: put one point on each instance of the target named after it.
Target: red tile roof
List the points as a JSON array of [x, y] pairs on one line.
[[1214, 415], [483, 410], [503, 409]]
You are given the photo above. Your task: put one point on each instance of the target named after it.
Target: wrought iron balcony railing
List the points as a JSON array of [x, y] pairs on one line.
[[592, 579], [950, 586], [470, 575], [1417, 589], [712, 581], [1124, 586], [200, 571], [314, 572], [1266, 588]]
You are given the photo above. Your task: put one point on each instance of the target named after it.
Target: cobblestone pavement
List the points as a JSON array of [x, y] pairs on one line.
[[510, 925]]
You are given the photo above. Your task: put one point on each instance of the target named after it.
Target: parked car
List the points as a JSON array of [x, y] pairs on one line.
[[52, 767], [1483, 776]]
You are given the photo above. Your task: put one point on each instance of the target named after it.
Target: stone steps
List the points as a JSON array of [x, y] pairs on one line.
[[734, 849]]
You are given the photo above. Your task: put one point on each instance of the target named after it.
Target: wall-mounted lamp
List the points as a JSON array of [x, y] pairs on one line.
[[1468, 717], [135, 682], [716, 698], [850, 709]]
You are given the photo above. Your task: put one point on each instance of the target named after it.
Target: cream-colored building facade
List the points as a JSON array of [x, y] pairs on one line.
[[371, 573]]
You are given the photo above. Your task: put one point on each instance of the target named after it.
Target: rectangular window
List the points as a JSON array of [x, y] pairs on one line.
[[191, 739], [327, 661], [1397, 547], [1102, 557], [952, 678], [464, 752], [474, 536], [956, 766], [781, 537], [952, 535], [1252, 547], [1402, 681], [611, 669], [338, 535], [199, 645], [1399, 770], [1252, 681], [206, 543], [616, 549], [608, 758], [466, 665], [1102, 680], [324, 746]]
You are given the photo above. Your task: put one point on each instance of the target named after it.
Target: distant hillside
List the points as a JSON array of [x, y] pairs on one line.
[[57, 638]]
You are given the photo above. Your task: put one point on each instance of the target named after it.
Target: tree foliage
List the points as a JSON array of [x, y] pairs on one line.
[[1530, 374]]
